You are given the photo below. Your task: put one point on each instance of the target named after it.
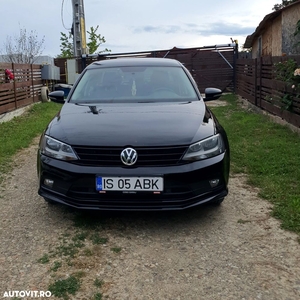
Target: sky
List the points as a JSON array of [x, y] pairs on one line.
[[132, 25]]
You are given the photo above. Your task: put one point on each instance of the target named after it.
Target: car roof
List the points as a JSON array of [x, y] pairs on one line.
[[130, 62]]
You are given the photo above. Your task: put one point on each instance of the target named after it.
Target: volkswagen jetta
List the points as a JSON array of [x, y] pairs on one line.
[[134, 134]]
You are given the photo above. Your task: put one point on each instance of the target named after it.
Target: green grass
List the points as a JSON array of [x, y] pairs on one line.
[[97, 296], [19, 132], [69, 249], [269, 154], [98, 283], [62, 288], [56, 266], [44, 259], [116, 249], [97, 239]]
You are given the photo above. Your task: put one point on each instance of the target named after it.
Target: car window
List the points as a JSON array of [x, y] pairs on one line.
[[134, 84]]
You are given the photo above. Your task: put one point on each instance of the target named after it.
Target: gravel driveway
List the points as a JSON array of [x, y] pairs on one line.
[[235, 251]]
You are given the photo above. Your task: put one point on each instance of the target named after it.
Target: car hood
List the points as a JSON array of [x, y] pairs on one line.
[[132, 124]]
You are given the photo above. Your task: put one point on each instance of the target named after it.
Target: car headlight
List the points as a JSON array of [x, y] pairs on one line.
[[57, 149], [209, 147]]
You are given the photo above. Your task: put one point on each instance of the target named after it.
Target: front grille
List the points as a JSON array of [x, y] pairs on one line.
[[147, 156]]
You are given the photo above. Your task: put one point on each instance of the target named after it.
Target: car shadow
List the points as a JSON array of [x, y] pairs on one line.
[[154, 220]]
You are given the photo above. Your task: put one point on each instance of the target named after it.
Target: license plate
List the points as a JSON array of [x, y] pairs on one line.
[[149, 184]]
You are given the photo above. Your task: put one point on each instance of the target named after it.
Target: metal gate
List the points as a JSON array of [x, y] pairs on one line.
[[211, 66]]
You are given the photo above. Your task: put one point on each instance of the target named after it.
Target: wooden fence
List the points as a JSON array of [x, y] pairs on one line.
[[23, 90], [256, 81]]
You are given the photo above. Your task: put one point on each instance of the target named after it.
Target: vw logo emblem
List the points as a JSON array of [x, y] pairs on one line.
[[129, 156]]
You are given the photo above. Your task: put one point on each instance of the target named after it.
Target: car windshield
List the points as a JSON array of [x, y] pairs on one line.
[[134, 84]]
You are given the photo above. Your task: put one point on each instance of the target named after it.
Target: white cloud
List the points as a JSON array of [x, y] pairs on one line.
[[132, 26]]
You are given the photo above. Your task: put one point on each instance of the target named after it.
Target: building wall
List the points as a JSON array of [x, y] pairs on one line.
[[255, 49], [267, 39], [271, 40], [290, 17], [277, 36]]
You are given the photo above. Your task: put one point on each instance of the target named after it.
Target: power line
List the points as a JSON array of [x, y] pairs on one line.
[[62, 15]]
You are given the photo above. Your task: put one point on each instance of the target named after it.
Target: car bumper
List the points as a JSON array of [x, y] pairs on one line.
[[185, 186]]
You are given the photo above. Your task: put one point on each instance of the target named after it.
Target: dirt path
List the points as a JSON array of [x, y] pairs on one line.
[[235, 251]]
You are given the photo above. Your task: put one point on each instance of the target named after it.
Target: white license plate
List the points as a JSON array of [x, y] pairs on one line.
[[149, 184]]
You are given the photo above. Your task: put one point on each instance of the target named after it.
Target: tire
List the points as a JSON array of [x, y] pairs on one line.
[[44, 94]]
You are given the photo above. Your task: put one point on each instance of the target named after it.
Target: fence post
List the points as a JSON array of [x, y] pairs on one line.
[[15, 89], [260, 81], [255, 81], [32, 86], [235, 57]]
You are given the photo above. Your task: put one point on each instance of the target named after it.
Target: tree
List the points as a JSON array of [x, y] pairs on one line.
[[283, 4], [66, 47], [95, 40], [23, 49]]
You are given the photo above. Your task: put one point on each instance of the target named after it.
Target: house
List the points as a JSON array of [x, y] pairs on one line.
[[275, 34]]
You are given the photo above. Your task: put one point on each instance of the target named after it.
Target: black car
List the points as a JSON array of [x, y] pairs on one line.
[[134, 134]]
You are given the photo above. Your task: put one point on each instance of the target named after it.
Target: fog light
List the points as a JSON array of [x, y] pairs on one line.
[[214, 182], [48, 182]]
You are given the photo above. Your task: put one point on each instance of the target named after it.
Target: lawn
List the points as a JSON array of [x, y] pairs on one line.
[[269, 154], [19, 132]]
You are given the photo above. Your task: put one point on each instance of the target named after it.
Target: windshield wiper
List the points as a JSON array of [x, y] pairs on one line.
[[94, 110]]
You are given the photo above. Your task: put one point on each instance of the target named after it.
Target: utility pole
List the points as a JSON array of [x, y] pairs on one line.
[[78, 28]]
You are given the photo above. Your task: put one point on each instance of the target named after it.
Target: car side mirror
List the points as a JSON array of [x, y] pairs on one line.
[[57, 96], [212, 94]]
